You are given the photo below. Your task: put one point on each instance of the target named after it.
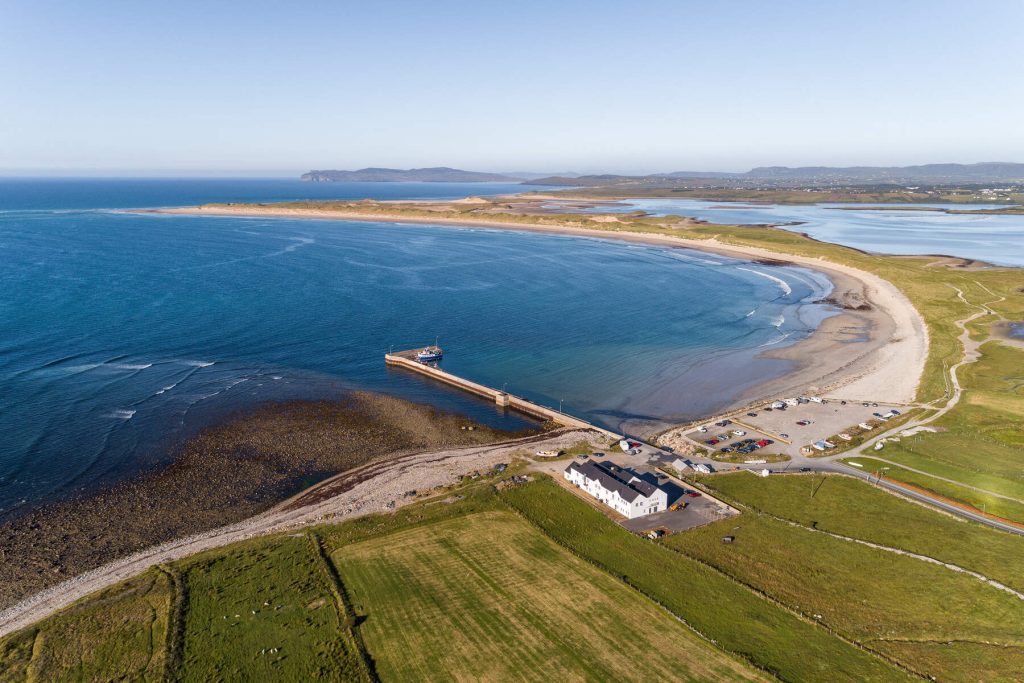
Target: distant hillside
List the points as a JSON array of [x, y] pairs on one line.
[[440, 174], [960, 173], [987, 172]]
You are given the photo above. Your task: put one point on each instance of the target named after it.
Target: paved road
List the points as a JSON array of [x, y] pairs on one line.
[[830, 464]]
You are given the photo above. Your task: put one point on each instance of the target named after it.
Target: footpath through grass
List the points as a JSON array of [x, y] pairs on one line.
[[981, 442]]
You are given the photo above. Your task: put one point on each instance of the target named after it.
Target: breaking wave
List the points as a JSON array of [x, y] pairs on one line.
[[783, 285]]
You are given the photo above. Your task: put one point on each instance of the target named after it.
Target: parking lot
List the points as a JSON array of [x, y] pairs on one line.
[[699, 510], [781, 426]]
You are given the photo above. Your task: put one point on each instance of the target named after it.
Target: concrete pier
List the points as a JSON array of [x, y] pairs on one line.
[[407, 360]]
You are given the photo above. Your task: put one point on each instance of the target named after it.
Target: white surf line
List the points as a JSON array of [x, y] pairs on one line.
[[907, 553], [786, 289]]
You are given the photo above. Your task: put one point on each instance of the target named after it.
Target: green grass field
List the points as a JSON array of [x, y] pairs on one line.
[[488, 597], [851, 507], [869, 595], [118, 634], [532, 583], [985, 502], [982, 442], [264, 611], [730, 614]]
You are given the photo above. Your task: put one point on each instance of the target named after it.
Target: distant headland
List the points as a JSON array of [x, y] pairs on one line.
[[439, 174]]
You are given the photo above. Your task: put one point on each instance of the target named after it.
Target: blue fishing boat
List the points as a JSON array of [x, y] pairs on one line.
[[430, 354]]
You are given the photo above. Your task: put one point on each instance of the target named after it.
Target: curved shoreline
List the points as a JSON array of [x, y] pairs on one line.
[[894, 347], [888, 363]]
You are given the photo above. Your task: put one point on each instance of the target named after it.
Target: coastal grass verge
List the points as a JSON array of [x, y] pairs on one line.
[[979, 500], [868, 594], [486, 596], [980, 442], [117, 634], [853, 508]]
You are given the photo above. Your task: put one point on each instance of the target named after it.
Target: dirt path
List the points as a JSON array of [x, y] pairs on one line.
[[361, 491], [971, 354]]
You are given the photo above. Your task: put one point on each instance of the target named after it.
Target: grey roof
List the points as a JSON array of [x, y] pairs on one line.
[[614, 478]]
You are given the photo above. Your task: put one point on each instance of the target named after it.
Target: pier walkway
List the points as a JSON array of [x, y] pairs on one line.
[[503, 399]]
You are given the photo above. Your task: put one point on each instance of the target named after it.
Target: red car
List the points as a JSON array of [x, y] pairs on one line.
[[693, 494], [763, 442]]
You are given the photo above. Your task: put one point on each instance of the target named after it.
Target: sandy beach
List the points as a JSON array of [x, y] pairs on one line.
[[884, 364], [874, 349]]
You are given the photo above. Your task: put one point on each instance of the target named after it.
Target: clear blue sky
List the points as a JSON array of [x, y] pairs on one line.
[[282, 87]]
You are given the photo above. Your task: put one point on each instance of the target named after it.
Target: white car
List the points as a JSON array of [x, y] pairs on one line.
[[739, 432]]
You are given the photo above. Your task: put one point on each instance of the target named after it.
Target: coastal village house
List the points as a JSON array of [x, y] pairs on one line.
[[617, 488]]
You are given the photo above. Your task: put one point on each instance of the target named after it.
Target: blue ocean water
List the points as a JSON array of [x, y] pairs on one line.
[[897, 229], [122, 333]]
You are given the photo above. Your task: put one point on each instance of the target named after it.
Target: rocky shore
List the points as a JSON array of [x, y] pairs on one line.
[[227, 473]]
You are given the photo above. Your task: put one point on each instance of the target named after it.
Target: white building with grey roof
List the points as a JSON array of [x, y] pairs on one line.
[[618, 488]]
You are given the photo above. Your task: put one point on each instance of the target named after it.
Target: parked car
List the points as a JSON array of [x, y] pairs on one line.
[[739, 432], [751, 414], [725, 450], [693, 494], [803, 423], [784, 436]]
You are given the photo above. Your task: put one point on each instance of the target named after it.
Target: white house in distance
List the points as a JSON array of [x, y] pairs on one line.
[[617, 488]]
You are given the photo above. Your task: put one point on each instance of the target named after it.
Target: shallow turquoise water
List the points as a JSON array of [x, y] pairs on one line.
[[122, 333]]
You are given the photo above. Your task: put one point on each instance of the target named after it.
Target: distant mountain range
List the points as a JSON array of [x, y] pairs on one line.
[[986, 172], [439, 174]]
